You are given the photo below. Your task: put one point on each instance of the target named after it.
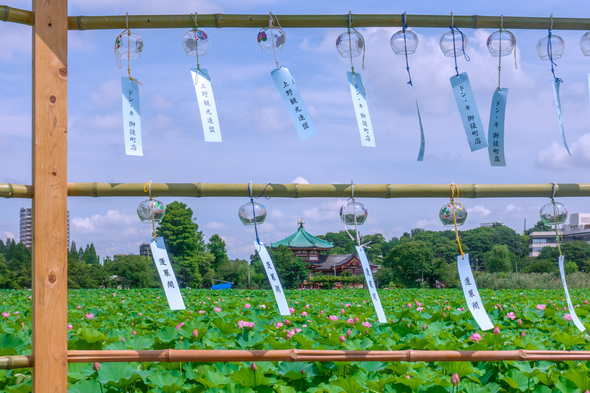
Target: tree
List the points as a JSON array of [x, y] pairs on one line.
[[234, 271], [409, 262], [539, 227], [499, 259], [132, 271], [292, 270], [90, 257], [180, 231], [216, 247]]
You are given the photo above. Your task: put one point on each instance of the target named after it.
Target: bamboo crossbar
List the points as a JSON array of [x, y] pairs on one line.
[[15, 15], [300, 355], [295, 190]]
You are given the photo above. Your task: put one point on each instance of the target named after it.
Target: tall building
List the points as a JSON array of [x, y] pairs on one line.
[[26, 226], [144, 250]]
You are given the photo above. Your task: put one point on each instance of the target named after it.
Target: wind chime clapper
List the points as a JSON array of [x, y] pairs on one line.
[[353, 214], [454, 43], [351, 44], [555, 214], [129, 46], [152, 211], [454, 214], [551, 48], [196, 43], [405, 42], [500, 43], [253, 213], [272, 40]]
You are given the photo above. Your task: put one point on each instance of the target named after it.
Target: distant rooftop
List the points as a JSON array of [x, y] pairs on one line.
[[303, 240]]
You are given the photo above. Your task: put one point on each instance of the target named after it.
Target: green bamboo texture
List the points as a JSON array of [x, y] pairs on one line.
[[294, 190], [15, 15]]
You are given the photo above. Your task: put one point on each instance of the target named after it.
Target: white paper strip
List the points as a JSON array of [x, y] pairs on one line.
[[471, 293], [207, 107], [294, 102], [167, 275], [131, 117], [570, 307], [361, 109], [273, 278], [371, 284]]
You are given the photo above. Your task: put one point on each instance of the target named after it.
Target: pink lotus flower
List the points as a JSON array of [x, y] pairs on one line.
[[245, 324], [356, 319], [511, 316], [89, 315], [342, 338], [496, 330], [278, 325], [342, 311], [290, 334], [70, 327], [262, 306], [519, 322], [287, 322], [475, 337], [407, 376], [366, 324], [409, 305], [347, 305], [307, 306], [304, 314], [123, 339], [585, 302], [195, 333], [567, 317], [455, 379], [350, 321], [134, 333], [78, 307], [217, 309], [419, 308], [540, 307], [201, 311], [349, 332], [247, 305], [253, 366], [522, 334], [96, 366], [333, 318], [5, 314], [181, 324], [304, 325], [424, 327]]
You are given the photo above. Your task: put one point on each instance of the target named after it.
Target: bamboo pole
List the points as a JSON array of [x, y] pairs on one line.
[[294, 190], [49, 246], [15, 15], [301, 355]]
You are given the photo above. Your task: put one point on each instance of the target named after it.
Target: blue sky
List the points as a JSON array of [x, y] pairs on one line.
[[259, 140]]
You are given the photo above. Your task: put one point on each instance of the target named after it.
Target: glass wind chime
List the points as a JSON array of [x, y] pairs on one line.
[[454, 214], [253, 213], [405, 42], [353, 214], [152, 211], [551, 48], [271, 40], [555, 214], [351, 44], [196, 43], [500, 43], [128, 46], [453, 44]]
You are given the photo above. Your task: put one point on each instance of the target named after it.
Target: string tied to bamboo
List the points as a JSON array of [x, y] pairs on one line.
[[128, 46]]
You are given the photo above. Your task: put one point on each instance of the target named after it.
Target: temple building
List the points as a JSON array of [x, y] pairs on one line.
[[314, 251]]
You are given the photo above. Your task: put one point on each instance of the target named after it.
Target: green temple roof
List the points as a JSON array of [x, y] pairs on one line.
[[303, 239]]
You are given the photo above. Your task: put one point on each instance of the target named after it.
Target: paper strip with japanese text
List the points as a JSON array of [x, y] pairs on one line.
[[273, 278], [361, 109], [131, 117], [371, 284], [570, 307], [556, 83], [294, 102], [422, 141], [468, 111], [471, 293], [167, 275], [496, 130], [207, 107]]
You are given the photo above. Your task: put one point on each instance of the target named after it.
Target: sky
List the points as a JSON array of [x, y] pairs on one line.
[[260, 143]]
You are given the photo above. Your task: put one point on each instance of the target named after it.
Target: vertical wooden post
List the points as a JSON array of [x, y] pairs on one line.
[[49, 248]]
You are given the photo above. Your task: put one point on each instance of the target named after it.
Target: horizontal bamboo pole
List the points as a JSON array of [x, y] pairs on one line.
[[10, 14], [295, 190], [301, 355]]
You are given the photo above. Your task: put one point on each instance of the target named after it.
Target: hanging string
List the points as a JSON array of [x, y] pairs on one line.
[[405, 27], [500, 50], [558, 237], [147, 187], [456, 205], [271, 25], [117, 56], [195, 29], [550, 51], [453, 28], [350, 27], [254, 208]]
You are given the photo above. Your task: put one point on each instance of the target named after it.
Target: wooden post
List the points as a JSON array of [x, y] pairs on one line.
[[49, 249]]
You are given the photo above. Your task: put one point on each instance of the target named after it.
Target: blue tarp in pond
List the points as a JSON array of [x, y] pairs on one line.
[[221, 286]]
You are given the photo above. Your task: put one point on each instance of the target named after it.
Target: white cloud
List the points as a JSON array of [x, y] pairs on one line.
[[479, 211], [555, 156], [8, 235], [215, 226]]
